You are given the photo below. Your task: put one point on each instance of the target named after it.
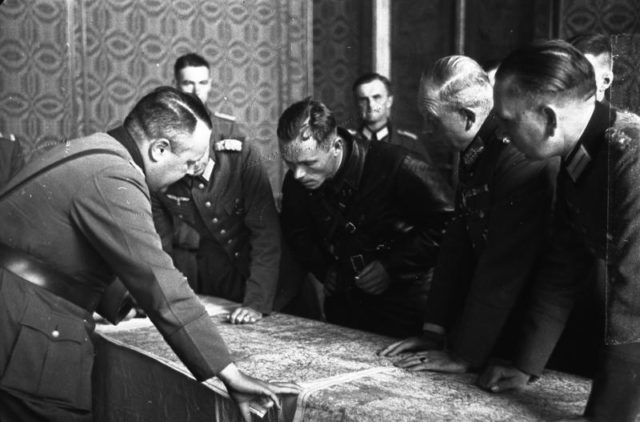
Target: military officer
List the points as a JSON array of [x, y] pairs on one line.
[[72, 220], [503, 205], [546, 95], [11, 157], [365, 218], [230, 206], [374, 97], [192, 74], [597, 49]]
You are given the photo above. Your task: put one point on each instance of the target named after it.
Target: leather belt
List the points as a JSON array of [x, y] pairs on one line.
[[43, 275]]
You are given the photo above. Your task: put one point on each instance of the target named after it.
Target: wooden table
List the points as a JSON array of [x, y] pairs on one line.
[[138, 378]]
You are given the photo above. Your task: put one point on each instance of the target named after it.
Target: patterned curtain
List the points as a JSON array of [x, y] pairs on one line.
[[73, 67]]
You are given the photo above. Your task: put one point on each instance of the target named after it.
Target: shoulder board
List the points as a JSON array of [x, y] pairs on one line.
[[228, 145], [224, 116], [352, 132], [407, 134]]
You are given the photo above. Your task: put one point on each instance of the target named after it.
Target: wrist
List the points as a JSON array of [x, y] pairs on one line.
[[229, 373]]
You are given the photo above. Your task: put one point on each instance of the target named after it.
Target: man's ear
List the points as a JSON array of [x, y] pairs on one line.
[[607, 80], [390, 100], [159, 149], [469, 117], [337, 145], [550, 120]]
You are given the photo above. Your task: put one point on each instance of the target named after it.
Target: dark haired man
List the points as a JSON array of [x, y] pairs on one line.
[[73, 220], [192, 74], [488, 255], [374, 97], [545, 95], [365, 218], [597, 49]]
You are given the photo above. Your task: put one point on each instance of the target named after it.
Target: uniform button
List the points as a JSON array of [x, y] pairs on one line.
[[229, 241], [207, 204], [55, 333], [201, 186], [180, 216], [237, 254], [214, 220], [223, 231]]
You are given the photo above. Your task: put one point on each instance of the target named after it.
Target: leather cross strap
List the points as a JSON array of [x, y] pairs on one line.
[[39, 272], [43, 275]]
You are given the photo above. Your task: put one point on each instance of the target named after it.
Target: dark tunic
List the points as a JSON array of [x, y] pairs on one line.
[[234, 214], [384, 204], [598, 217], [503, 207]]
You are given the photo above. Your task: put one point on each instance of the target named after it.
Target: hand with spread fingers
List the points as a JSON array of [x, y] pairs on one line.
[[427, 341], [435, 361], [245, 389], [244, 315], [373, 279], [499, 378]]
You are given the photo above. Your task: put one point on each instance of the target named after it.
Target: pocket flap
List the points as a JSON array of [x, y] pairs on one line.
[[56, 326]]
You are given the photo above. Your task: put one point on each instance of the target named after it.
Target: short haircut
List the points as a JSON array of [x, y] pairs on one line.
[[552, 68], [459, 82], [305, 119], [370, 77], [188, 60], [595, 44], [166, 113]]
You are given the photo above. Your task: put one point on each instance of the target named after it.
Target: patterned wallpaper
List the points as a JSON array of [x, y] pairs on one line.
[[342, 51], [73, 67], [611, 17]]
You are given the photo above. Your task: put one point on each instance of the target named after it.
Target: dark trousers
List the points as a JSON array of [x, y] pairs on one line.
[[615, 392]]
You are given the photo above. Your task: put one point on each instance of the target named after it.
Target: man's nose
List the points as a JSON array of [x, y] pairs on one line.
[[298, 173]]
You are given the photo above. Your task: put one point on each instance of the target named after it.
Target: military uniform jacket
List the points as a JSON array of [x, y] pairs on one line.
[[503, 207], [399, 137], [598, 217], [383, 204], [91, 219], [235, 210]]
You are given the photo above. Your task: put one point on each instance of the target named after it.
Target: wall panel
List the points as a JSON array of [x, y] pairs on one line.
[[74, 67]]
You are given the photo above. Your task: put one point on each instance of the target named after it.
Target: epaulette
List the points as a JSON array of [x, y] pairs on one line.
[[407, 134], [224, 116], [228, 145], [352, 132], [617, 137]]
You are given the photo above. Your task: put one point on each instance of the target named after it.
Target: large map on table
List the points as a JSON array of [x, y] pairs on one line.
[[343, 378]]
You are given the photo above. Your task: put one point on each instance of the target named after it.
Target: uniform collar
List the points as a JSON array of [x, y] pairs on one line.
[[590, 141], [380, 134], [350, 171], [208, 170], [473, 151], [122, 135]]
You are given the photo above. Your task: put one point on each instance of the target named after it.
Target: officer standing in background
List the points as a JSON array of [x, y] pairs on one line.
[[503, 207], [597, 49], [365, 218], [73, 220], [374, 97], [546, 95], [221, 226]]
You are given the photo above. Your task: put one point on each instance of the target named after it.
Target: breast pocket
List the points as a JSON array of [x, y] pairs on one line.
[[52, 357]]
